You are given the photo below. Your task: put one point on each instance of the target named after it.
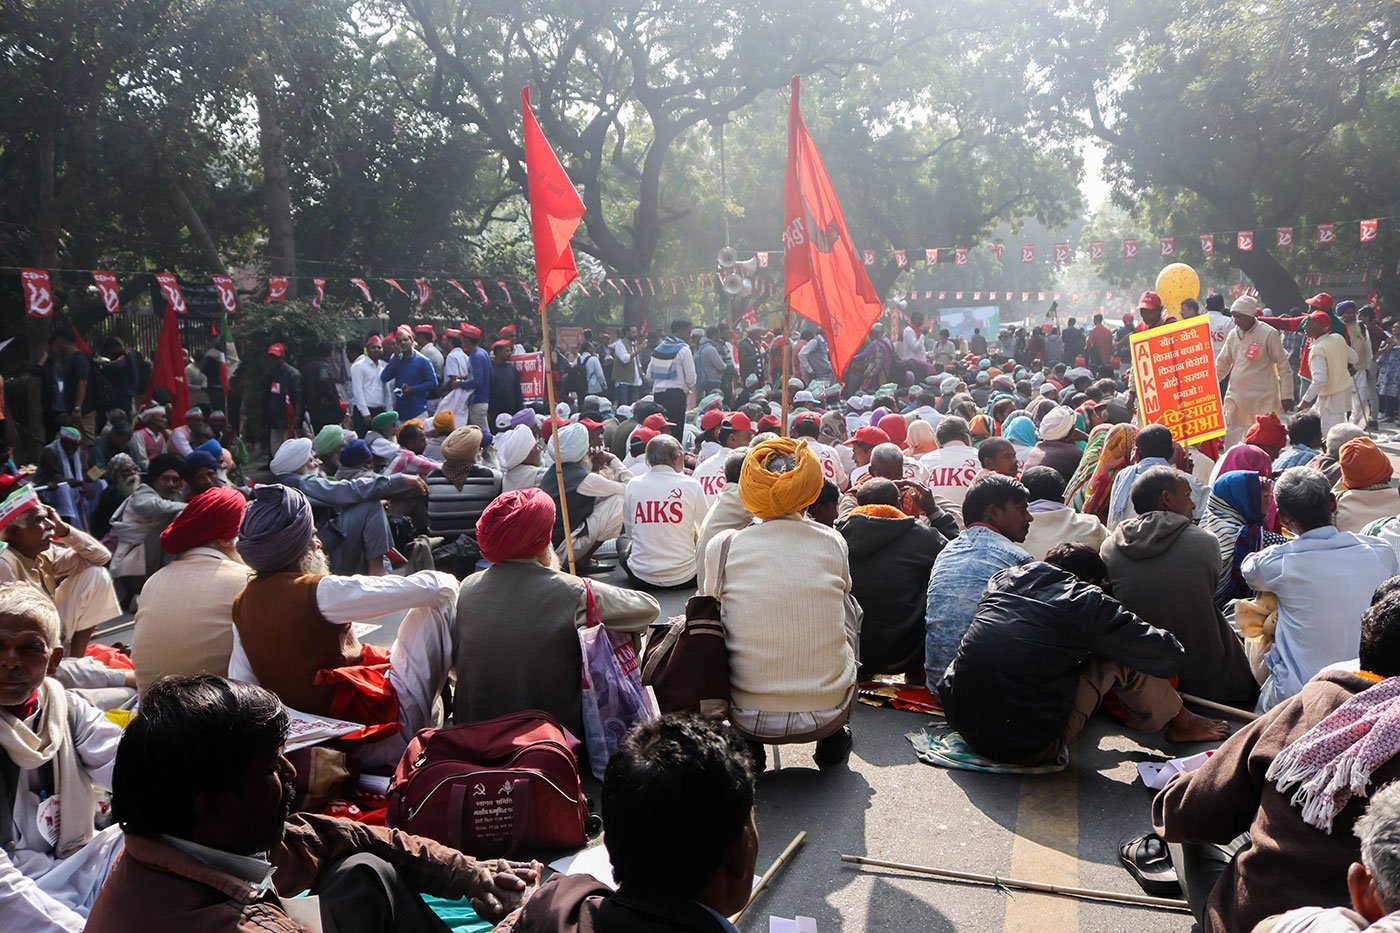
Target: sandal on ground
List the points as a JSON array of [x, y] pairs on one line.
[[1150, 864]]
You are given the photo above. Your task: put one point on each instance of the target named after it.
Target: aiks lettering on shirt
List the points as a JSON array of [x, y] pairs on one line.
[[665, 512]]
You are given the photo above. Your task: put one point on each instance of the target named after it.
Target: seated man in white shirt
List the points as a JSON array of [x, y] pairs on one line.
[[735, 431], [954, 465], [807, 427], [54, 747], [662, 512], [594, 481]]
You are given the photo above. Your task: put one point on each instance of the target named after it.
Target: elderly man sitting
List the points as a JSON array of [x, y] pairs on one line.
[[1364, 493], [293, 632], [139, 520], [664, 508], [520, 458], [54, 747], [517, 647], [184, 624], [66, 565], [351, 523], [593, 491], [1323, 579], [793, 629]]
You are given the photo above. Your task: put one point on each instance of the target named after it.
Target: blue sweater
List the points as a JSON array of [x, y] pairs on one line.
[[480, 378], [416, 378]]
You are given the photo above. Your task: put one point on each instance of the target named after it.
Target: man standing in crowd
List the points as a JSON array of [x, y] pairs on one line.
[[1330, 361], [1098, 343], [368, 393], [505, 394], [672, 375], [662, 511], [627, 366], [322, 394], [1255, 363], [1073, 341], [411, 373], [282, 402], [426, 340]]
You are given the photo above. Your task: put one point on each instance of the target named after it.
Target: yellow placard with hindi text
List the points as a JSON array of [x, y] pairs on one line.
[[1174, 377]]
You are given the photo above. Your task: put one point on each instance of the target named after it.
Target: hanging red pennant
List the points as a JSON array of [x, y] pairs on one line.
[[501, 282], [1326, 233], [1074, 297], [1061, 253], [107, 288], [957, 296], [1096, 250], [976, 296], [319, 284], [651, 284], [613, 286], [1057, 296], [1168, 246], [1040, 296], [1370, 229], [424, 291], [991, 296], [1108, 296], [998, 250], [901, 258], [1244, 239], [868, 257], [1025, 296], [1130, 249], [931, 257], [481, 292], [1283, 236], [38, 292], [170, 288], [397, 287], [960, 255], [762, 259], [942, 296], [1027, 253], [1208, 243], [458, 285], [363, 286], [276, 289]]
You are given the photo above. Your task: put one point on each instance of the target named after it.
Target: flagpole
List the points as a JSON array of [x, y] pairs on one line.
[[554, 433], [787, 365]]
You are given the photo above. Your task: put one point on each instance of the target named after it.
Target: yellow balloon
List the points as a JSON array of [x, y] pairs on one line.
[[1175, 284]]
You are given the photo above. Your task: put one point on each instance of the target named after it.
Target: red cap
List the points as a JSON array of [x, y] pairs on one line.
[[643, 435], [403, 331], [373, 341], [738, 421], [548, 428], [1320, 300], [711, 419], [508, 329], [657, 422], [451, 332], [424, 329], [1321, 318], [590, 424], [806, 416], [1150, 301], [502, 343], [870, 436], [768, 422], [276, 350], [471, 331]]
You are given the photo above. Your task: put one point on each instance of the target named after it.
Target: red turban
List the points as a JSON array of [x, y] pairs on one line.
[[213, 515], [1267, 431], [896, 427], [516, 524]]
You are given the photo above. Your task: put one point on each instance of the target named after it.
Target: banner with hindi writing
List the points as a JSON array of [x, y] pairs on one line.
[[1174, 377], [530, 367]]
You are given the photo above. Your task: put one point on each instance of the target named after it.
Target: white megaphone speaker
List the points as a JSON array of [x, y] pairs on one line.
[[732, 284], [747, 266], [727, 257], [746, 286], [897, 296], [902, 304]]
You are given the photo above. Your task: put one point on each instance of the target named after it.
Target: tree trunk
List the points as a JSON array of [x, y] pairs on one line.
[[37, 329], [198, 232], [277, 189], [1277, 287]]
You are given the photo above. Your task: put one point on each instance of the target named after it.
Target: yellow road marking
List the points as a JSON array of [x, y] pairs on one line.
[[1045, 849]]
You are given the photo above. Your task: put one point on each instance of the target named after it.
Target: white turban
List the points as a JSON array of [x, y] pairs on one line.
[[1057, 423], [514, 446], [573, 443], [291, 456]]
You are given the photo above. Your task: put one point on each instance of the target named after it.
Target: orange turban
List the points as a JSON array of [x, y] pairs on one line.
[[1363, 464], [772, 495]]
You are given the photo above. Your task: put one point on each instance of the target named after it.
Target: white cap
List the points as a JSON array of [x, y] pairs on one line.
[[1246, 305], [803, 396], [1057, 423]]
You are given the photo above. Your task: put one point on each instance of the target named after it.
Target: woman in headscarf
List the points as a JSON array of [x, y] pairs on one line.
[[1235, 514], [784, 587], [921, 438], [1077, 492], [1020, 431], [1039, 408], [1256, 460], [981, 427]]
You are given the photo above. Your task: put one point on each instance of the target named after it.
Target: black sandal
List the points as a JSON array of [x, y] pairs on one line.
[[1150, 863]]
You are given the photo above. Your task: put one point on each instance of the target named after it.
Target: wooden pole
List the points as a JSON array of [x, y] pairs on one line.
[[554, 434], [1141, 900], [768, 875], [787, 367], [1241, 714]]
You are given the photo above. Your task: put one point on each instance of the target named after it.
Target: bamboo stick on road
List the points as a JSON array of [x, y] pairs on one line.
[[778, 863]]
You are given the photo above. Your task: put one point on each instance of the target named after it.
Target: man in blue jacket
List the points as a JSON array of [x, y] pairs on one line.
[[412, 374]]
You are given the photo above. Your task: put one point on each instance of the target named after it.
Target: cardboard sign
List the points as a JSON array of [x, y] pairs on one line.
[[530, 366], [1174, 376], [568, 336]]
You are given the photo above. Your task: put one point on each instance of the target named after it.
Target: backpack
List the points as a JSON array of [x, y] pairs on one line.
[[686, 661], [504, 787]]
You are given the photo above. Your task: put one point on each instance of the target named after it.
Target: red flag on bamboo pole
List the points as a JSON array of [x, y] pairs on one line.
[[168, 369], [824, 279], [555, 209]]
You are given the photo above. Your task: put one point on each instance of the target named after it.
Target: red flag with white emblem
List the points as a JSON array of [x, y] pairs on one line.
[[107, 288]]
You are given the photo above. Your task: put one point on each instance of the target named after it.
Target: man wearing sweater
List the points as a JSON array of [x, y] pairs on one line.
[[792, 628], [672, 374]]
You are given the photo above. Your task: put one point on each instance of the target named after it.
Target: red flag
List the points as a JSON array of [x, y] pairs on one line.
[[425, 291], [1244, 240], [320, 285], [228, 299], [1369, 229], [174, 298], [1096, 250], [824, 280], [107, 288], [168, 369], [959, 255], [276, 289], [458, 285], [1208, 243], [38, 292], [1168, 247], [481, 290], [363, 286], [1326, 233], [396, 287], [555, 208]]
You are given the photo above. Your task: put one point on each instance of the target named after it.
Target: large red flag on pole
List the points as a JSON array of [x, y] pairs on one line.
[[168, 369], [555, 209], [555, 212], [824, 280]]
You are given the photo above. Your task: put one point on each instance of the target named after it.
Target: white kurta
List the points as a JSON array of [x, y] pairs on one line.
[[458, 401]]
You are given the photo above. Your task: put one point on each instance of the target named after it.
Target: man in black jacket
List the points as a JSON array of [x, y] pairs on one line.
[[322, 397], [1044, 647], [891, 556], [506, 396]]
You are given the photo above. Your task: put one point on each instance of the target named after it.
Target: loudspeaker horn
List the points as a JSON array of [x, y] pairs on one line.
[[727, 257], [746, 286], [732, 284], [747, 266]]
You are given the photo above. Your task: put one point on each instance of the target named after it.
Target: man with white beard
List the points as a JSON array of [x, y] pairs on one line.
[[293, 629]]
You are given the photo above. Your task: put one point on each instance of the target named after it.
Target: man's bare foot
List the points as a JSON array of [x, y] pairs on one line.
[[1186, 726]]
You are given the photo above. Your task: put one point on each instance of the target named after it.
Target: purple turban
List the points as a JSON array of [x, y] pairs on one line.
[[277, 528], [526, 416]]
